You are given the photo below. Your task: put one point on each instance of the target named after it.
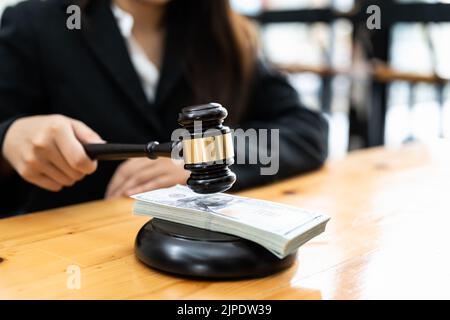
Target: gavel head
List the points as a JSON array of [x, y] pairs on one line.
[[208, 150]]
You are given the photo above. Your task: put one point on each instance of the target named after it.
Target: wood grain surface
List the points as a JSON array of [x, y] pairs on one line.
[[388, 238]]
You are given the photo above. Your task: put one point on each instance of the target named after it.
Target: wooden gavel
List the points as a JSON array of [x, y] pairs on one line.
[[207, 154]]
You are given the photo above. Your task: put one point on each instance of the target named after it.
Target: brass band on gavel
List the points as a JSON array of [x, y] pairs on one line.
[[208, 149]]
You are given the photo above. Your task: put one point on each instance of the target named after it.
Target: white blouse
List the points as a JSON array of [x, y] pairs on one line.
[[145, 68]]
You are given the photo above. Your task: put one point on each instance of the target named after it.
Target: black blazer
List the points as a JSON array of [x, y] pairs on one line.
[[87, 75]]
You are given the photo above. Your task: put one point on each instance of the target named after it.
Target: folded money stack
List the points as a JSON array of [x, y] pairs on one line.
[[279, 228]]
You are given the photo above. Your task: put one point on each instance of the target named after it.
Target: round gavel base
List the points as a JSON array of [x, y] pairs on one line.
[[196, 253]]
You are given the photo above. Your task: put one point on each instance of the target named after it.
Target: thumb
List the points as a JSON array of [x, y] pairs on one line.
[[85, 134]]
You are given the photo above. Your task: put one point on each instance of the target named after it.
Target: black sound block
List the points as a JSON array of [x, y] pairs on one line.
[[197, 253]]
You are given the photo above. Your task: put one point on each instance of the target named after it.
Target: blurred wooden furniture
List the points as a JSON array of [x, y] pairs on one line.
[[381, 73], [388, 238], [385, 74], [370, 127]]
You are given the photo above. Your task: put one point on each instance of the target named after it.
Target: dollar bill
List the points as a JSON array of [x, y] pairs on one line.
[[277, 227]]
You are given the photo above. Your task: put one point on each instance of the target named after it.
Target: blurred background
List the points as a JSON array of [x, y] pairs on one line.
[[376, 87]]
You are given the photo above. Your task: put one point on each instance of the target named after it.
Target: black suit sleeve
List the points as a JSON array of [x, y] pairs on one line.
[[303, 134], [21, 91]]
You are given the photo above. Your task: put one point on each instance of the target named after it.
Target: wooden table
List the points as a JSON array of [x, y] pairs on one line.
[[389, 237]]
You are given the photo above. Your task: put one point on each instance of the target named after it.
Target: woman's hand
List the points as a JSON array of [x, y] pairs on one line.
[[141, 175], [47, 150]]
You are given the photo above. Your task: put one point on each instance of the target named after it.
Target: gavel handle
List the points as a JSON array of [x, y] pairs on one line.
[[113, 151]]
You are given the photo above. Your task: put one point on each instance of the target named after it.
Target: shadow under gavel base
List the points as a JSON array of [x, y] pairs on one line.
[[197, 253]]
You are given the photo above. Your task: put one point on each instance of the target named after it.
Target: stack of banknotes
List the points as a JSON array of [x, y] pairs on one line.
[[279, 228]]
